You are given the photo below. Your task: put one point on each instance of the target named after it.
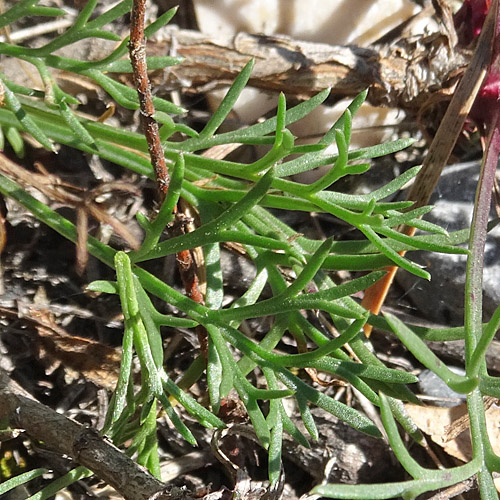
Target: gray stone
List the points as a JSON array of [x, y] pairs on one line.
[[442, 299], [431, 385]]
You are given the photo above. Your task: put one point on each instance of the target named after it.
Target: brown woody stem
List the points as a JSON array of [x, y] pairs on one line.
[[137, 52]]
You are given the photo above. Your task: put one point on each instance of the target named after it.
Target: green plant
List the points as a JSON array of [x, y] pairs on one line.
[[233, 201]]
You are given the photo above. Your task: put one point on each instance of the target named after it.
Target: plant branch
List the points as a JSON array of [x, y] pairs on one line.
[[83, 444]]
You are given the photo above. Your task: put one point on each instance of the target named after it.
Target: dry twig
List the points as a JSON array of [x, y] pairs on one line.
[[83, 444]]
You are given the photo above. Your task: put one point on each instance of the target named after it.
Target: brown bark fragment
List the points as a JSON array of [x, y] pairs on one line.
[[403, 74]]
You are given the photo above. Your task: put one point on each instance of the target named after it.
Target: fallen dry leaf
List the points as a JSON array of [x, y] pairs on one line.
[[437, 423], [97, 362]]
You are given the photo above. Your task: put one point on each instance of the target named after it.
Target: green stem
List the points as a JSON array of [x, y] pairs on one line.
[[479, 229], [474, 291]]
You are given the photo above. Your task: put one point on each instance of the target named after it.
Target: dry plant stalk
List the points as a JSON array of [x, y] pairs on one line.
[[455, 490]]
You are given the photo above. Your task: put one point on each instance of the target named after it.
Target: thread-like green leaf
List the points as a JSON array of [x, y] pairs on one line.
[[176, 421], [340, 123], [275, 446], [24, 119], [227, 104], [205, 417], [393, 255], [78, 129], [484, 342], [417, 347], [21, 479], [15, 140], [153, 63], [319, 300]]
